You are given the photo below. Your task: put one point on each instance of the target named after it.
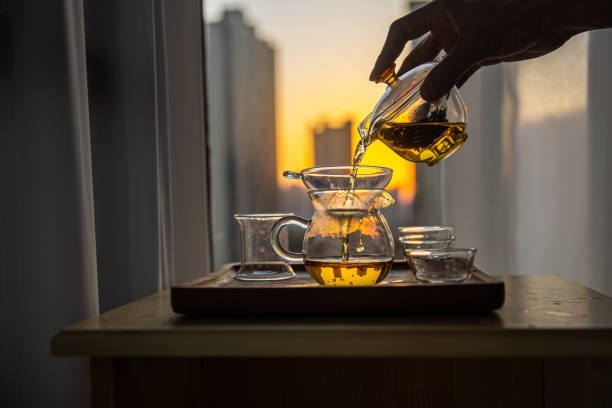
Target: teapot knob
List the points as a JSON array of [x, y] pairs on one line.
[[388, 76]]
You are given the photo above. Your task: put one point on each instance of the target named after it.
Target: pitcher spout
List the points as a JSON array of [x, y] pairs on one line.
[[382, 201]]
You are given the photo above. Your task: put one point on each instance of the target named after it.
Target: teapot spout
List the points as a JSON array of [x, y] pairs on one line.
[[364, 127]]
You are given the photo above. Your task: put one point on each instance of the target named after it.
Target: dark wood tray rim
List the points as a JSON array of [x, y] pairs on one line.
[[217, 279], [208, 297]]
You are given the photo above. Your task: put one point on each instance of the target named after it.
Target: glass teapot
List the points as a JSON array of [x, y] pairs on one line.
[[417, 130], [347, 242]]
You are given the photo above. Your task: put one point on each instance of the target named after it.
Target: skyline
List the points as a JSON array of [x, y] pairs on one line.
[[310, 92]]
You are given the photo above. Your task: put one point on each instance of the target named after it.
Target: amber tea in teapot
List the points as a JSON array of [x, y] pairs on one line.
[[422, 142]]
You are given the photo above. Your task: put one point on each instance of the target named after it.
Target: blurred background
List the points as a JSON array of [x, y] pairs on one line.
[[288, 83]]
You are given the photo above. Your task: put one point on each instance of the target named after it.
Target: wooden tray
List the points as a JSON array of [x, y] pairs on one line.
[[219, 294]]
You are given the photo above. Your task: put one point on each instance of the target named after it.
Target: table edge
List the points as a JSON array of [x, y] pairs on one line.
[[336, 343]]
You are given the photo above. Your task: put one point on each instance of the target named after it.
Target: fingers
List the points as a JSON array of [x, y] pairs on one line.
[[401, 31], [534, 52], [530, 53], [424, 52], [458, 63]]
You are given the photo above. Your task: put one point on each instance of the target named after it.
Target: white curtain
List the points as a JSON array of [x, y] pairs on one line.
[[104, 186], [50, 279]]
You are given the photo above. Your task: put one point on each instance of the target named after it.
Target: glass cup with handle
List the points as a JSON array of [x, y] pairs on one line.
[[259, 261]]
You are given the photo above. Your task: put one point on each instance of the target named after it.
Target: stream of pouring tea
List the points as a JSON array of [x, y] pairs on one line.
[[360, 151]]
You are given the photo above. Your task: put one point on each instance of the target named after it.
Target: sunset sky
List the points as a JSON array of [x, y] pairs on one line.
[[324, 52]]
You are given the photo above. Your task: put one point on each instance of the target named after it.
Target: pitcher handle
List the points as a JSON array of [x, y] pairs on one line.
[[275, 237]]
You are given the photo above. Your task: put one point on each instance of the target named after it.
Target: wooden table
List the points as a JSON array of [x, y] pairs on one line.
[[549, 346]]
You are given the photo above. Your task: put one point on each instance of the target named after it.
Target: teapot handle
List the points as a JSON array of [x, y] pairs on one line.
[[275, 237]]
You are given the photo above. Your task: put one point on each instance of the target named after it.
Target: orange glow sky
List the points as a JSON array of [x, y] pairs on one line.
[[324, 52]]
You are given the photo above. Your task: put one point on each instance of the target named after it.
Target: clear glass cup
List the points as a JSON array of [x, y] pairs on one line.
[[259, 260], [426, 237], [449, 265]]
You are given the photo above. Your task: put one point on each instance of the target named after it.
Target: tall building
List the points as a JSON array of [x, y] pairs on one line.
[[242, 128], [333, 145]]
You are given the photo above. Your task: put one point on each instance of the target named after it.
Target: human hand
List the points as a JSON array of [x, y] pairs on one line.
[[473, 33]]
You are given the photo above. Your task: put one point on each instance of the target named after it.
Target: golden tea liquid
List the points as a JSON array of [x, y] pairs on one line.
[[427, 142], [357, 272]]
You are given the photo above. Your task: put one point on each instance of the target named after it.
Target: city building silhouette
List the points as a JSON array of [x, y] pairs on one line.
[[242, 128], [333, 145]]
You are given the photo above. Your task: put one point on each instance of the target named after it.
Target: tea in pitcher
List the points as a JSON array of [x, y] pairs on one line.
[[356, 272]]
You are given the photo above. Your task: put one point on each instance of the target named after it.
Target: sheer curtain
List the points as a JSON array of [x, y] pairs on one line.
[[531, 187], [104, 187], [51, 276], [599, 126]]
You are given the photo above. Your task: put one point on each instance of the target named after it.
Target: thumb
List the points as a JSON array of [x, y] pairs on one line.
[[448, 72]]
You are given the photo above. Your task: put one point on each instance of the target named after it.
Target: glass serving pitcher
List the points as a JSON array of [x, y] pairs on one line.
[[417, 130], [347, 242]]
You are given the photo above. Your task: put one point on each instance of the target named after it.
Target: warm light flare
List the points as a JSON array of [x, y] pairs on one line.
[[404, 172], [297, 153]]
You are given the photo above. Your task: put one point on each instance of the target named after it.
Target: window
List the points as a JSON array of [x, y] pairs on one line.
[[286, 90]]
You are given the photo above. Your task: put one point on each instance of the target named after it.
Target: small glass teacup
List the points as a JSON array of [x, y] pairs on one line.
[[426, 237], [447, 265]]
